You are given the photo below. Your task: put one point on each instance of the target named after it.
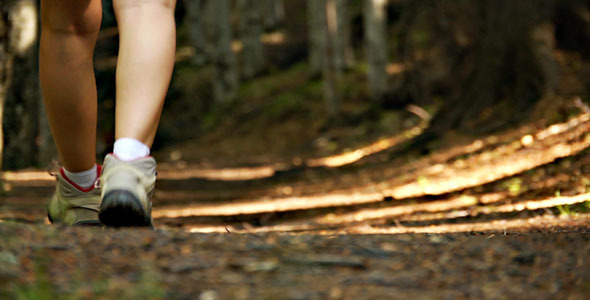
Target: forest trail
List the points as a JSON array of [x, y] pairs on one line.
[[502, 216], [521, 173]]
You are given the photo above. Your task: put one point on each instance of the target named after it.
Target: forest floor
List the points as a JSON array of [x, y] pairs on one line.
[[502, 216], [277, 204]]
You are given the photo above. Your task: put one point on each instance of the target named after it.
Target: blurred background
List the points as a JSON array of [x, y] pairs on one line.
[[263, 81]]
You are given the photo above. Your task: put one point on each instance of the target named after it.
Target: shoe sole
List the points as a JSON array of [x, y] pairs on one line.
[[122, 209], [88, 223]]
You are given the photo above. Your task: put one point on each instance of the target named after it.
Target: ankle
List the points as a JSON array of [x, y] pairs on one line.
[[82, 180], [128, 149]]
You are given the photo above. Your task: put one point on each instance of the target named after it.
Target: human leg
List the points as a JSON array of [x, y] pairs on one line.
[[69, 29], [146, 59]]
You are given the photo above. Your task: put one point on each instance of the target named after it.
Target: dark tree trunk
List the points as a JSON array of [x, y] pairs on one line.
[[273, 13], [331, 70], [490, 60], [23, 97], [375, 19], [344, 50], [220, 33], [250, 29], [195, 22], [507, 75], [316, 18], [6, 58]]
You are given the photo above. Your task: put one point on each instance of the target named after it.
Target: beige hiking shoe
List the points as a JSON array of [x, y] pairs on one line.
[[127, 188], [72, 204]]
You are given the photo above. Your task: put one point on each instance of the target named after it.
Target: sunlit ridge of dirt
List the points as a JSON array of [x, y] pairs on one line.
[[489, 169], [450, 179], [458, 207], [581, 220], [178, 171], [530, 223], [484, 164], [350, 157], [268, 205]]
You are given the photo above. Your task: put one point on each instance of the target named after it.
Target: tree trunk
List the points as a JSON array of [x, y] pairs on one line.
[[273, 13], [344, 53], [6, 58], [19, 86], [331, 70], [250, 29], [195, 16], [511, 68], [316, 34], [498, 56], [375, 21], [225, 78], [23, 97]]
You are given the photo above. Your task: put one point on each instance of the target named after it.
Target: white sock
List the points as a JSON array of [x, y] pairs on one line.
[[128, 149], [84, 179]]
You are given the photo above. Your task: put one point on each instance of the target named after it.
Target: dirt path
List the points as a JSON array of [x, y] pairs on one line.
[[505, 216], [78, 263]]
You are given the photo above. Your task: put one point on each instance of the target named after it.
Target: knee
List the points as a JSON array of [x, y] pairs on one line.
[[131, 4], [78, 17]]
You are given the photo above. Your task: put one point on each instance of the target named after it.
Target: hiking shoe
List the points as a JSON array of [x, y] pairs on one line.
[[127, 188], [72, 204]]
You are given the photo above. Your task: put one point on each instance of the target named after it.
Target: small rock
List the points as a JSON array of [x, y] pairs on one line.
[[437, 239], [209, 295], [524, 258], [262, 266]]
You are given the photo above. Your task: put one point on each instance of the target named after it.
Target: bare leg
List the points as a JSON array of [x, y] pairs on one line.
[[146, 59], [69, 32]]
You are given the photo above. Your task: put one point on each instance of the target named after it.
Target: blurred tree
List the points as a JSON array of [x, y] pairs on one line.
[[316, 18], [508, 66], [250, 28], [6, 58], [273, 12], [490, 60], [344, 54], [22, 99], [375, 24], [219, 32], [572, 22], [330, 46], [194, 22], [331, 70], [21, 115]]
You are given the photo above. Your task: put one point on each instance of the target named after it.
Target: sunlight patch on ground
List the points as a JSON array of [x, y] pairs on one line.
[[24, 176], [224, 174], [263, 206], [171, 171], [562, 127], [482, 168], [208, 229], [387, 212], [356, 155], [490, 167], [504, 208], [495, 225], [537, 222]]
